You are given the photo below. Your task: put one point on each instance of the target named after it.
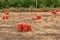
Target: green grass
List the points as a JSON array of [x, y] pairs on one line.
[[29, 3]]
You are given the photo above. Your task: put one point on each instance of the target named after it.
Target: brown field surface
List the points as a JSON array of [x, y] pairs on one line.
[[47, 28]]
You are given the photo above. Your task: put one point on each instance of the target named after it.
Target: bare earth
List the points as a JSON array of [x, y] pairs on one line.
[[47, 28]]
